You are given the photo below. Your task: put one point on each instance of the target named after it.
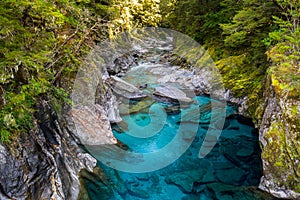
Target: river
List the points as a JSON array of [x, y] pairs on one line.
[[232, 167]]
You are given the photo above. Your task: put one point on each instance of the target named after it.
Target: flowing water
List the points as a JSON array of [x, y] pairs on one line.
[[232, 170]]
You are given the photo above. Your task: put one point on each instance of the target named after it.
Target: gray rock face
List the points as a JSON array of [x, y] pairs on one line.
[[278, 130], [121, 64], [172, 93], [112, 110], [45, 165], [92, 126], [124, 89], [106, 98]]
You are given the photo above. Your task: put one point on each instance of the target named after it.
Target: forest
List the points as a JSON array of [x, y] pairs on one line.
[[254, 43]]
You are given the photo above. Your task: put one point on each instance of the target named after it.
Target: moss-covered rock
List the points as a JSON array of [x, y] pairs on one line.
[[279, 134]]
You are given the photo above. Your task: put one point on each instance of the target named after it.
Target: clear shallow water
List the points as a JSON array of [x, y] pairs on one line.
[[231, 170]]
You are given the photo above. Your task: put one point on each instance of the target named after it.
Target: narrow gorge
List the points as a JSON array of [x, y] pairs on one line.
[[149, 99], [154, 96]]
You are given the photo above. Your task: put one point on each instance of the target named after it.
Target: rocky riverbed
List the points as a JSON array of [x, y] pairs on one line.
[[231, 170]]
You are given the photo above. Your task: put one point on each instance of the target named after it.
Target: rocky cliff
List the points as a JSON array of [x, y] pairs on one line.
[[279, 127], [45, 163]]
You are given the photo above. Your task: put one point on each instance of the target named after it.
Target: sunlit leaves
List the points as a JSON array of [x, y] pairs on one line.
[[129, 14], [285, 49], [29, 41], [43, 42]]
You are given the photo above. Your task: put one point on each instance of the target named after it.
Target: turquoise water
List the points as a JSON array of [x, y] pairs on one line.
[[232, 170]]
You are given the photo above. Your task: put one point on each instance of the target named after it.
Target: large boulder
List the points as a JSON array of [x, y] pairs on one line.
[[172, 93], [92, 126], [124, 89]]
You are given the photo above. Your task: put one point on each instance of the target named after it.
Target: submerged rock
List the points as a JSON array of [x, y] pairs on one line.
[[192, 115], [185, 180], [233, 175], [100, 180], [124, 89], [143, 194], [172, 109], [203, 115], [190, 173], [229, 192], [127, 108]]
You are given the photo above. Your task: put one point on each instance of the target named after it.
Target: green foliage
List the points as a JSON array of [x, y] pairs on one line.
[[248, 27], [233, 32], [130, 14], [285, 50], [282, 152], [198, 19], [41, 43]]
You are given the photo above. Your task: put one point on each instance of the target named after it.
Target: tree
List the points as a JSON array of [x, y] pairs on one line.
[[41, 43], [130, 14], [284, 51]]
